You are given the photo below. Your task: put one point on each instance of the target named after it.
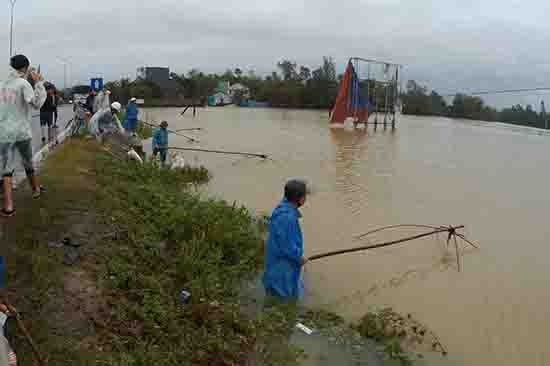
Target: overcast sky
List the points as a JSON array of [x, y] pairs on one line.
[[449, 45]]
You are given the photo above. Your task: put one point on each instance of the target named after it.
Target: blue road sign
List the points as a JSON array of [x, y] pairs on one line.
[[96, 83]]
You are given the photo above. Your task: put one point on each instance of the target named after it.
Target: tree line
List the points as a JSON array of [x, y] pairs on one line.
[[290, 85], [416, 100]]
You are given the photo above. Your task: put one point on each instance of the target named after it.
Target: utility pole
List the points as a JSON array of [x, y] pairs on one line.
[[12, 4], [65, 63]]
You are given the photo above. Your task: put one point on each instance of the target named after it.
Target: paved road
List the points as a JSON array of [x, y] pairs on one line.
[[65, 113]]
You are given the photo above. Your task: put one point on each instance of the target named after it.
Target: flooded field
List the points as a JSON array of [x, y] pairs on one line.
[[492, 178]]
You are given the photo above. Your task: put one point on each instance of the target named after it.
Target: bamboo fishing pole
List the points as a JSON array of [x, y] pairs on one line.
[[262, 156], [192, 139], [190, 129], [36, 353], [451, 230]]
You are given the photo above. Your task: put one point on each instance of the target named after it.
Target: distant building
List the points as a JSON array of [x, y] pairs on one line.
[[239, 89], [222, 87], [161, 77], [219, 100]]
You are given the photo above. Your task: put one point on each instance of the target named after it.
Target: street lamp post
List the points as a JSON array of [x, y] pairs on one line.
[[12, 3], [65, 62]]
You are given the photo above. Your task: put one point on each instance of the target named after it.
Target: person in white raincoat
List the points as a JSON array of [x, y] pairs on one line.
[[17, 100], [106, 120], [102, 100]]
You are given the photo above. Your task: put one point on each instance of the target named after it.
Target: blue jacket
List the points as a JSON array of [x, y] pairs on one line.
[[284, 251], [132, 111], [160, 138]]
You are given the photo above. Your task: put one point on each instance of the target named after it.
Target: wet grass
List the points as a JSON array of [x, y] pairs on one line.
[[174, 240], [146, 235]]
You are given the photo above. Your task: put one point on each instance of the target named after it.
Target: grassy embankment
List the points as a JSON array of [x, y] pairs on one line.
[[145, 235]]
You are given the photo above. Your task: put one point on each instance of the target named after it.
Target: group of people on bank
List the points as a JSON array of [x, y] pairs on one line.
[[284, 248], [24, 91]]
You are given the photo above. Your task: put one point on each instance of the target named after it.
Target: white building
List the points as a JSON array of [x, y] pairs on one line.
[[221, 99], [241, 89]]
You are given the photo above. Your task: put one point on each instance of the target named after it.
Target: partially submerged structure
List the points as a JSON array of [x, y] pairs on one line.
[[368, 87]]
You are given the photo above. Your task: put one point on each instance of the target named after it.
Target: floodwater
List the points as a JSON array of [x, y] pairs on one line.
[[492, 178]]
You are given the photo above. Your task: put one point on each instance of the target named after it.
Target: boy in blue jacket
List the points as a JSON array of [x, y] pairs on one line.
[[160, 141], [284, 256]]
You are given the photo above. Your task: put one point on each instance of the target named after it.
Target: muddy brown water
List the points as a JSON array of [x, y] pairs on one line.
[[493, 178]]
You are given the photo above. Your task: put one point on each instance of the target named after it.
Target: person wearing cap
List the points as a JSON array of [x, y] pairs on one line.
[[160, 142], [132, 112], [106, 120], [284, 256], [17, 100]]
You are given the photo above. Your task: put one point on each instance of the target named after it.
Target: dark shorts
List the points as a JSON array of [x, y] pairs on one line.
[[162, 153], [7, 157], [47, 119]]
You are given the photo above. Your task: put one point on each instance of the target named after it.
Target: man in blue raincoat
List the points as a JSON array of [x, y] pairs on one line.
[[132, 112], [284, 257]]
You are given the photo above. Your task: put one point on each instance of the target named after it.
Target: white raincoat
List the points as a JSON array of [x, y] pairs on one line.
[[104, 121], [17, 100], [101, 101]]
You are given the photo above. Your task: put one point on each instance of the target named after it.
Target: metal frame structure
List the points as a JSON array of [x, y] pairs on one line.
[[380, 75]]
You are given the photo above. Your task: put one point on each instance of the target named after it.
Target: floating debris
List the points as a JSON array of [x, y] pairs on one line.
[[401, 334]]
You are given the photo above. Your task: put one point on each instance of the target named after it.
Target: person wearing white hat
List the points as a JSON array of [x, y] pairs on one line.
[[106, 120], [132, 112]]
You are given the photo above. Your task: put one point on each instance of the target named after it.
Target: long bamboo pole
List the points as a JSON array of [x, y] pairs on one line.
[[263, 156], [190, 129], [36, 353], [450, 230], [192, 139]]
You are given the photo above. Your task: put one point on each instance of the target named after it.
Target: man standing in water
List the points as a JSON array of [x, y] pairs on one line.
[[17, 98], [285, 246], [160, 142]]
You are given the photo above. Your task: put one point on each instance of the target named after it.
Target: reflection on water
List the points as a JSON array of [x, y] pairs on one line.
[[490, 177]]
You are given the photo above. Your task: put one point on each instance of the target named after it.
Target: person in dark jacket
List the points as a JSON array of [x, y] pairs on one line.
[[48, 114], [90, 100], [284, 257]]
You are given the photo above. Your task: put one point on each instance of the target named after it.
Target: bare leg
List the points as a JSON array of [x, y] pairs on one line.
[[33, 182], [8, 194]]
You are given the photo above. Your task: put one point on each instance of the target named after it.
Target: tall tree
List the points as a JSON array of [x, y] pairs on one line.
[[288, 69], [238, 73], [305, 73]]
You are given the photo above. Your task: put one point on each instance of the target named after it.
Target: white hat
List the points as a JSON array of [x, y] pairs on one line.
[[116, 106], [133, 99]]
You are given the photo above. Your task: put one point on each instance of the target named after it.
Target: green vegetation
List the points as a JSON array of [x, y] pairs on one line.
[[295, 86], [401, 336], [144, 131], [417, 101], [146, 235]]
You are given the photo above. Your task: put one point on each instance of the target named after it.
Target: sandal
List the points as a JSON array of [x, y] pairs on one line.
[[5, 213], [36, 195]]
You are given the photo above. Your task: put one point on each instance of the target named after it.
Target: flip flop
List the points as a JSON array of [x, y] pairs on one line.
[[5, 213], [36, 195]]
